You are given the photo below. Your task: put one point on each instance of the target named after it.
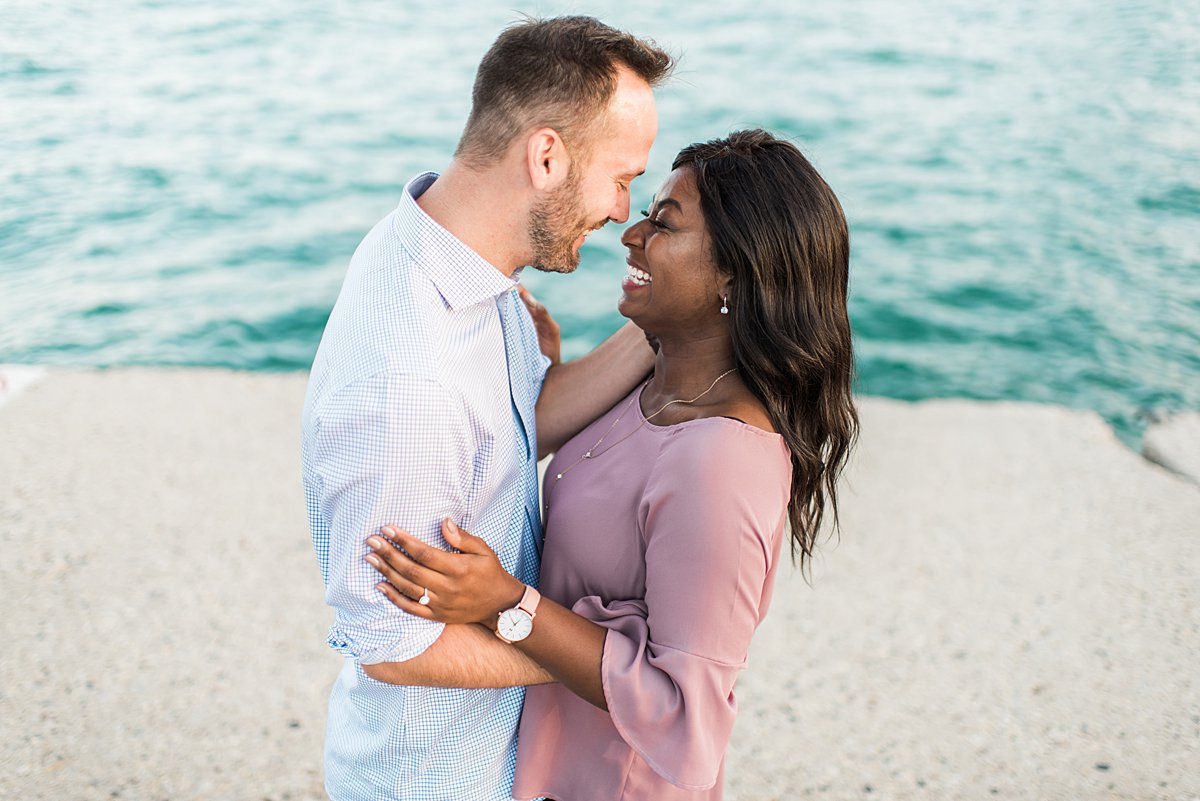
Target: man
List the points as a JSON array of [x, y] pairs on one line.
[[421, 402]]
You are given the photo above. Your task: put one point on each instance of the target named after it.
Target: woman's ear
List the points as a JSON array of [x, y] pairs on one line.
[[546, 159], [724, 284]]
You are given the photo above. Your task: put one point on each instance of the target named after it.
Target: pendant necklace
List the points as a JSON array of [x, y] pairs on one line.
[[590, 453]]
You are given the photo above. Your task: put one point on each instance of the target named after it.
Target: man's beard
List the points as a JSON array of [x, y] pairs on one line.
[[555, 222]]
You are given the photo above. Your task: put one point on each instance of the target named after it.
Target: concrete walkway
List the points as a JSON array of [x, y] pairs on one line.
[[1011, 611]]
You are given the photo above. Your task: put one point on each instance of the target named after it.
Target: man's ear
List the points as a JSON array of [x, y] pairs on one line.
[[546, 159]]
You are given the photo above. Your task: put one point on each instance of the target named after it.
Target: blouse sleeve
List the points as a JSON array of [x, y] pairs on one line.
[[713, 517]]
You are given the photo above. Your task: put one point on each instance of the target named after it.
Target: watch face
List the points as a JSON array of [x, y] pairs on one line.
[[515, 624]]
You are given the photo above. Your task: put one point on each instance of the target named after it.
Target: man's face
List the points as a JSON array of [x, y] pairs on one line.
[[554, 224], [597, 185]]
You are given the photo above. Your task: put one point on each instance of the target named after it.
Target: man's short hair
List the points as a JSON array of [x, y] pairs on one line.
[[559, 73]]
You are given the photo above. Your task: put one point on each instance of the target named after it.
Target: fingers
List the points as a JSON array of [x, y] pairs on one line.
[[530, 302], [542, 318], [528, 298], [548, 332], [417, 550], [537, 309], [403, 601], [463, 540], [402, 572], [394, 578]]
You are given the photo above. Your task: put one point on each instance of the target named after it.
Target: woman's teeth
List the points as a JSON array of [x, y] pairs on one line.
[[637, 276]]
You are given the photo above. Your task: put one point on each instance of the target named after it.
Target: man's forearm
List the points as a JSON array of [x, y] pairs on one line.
[[577, 392], [464, 656]]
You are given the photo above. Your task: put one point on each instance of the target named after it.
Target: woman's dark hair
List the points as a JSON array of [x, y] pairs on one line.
[[778, 230]]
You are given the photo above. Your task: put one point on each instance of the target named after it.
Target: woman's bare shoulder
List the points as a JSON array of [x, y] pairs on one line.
[[746, 409]]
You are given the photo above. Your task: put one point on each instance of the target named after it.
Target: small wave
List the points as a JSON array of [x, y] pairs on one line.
[[890, 56], [27, 68], [978, 297], [1180, 199], [107, 310], [888, 322], [147, 176]]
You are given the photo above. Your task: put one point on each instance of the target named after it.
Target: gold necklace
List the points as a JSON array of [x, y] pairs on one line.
[[590, 452]]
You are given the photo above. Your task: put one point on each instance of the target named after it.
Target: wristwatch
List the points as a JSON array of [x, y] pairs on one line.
[[516, 624]]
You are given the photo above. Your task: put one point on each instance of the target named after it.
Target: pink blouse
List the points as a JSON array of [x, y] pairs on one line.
[[668, 537]]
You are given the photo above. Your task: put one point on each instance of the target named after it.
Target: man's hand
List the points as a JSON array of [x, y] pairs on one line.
[[464, 656], [548, 333], [577, 392]]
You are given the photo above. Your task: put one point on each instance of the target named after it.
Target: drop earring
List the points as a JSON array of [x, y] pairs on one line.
[[725, 304]]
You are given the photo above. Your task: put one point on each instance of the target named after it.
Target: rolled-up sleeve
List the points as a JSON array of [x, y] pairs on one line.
[[713, 517], [387, 451]]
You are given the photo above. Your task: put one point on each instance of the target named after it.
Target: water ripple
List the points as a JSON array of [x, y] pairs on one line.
[[183, 184]]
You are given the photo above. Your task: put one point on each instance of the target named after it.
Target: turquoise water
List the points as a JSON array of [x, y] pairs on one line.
[[184, 184]]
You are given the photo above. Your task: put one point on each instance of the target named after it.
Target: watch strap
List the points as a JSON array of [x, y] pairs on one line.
[[530, 600]]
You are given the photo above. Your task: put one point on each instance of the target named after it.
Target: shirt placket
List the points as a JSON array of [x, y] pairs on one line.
[[523, 404]]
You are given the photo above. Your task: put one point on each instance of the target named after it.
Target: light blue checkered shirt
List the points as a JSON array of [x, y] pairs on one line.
[[420, 405]]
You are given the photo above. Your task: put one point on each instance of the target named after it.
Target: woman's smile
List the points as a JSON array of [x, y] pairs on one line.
[[671, 283], [635, 277]]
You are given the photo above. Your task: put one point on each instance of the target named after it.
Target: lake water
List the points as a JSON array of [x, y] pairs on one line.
[[183, 184]]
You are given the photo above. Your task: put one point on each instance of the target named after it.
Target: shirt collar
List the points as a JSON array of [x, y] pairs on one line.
[[461, 275]]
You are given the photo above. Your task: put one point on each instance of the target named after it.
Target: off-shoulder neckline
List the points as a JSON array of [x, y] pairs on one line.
[[664, 429]]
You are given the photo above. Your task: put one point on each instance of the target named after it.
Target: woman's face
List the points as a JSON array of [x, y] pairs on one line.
[[671, 285]]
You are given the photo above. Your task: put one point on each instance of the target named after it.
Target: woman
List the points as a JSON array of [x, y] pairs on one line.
[[664, 518]]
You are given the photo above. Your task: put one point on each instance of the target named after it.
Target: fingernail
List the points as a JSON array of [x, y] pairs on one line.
[[453, 525], [373, 559], [375, 542], [389, 530]]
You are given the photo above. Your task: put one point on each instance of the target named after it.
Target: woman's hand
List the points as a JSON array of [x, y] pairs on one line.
[[549, 336], [466, 587]]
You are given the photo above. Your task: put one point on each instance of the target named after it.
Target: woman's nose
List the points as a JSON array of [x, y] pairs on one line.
[[633, 236]]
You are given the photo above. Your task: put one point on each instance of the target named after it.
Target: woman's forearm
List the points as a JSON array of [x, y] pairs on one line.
[[570, 648], [471, 586]]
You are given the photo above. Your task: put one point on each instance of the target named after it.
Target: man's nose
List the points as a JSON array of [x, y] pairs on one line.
[[620, 212]]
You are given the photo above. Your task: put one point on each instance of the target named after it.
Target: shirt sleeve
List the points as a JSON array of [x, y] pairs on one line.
[[390, 450], [713, 512]]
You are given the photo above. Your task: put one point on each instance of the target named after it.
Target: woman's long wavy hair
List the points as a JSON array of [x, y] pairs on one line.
[[778, 230]]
